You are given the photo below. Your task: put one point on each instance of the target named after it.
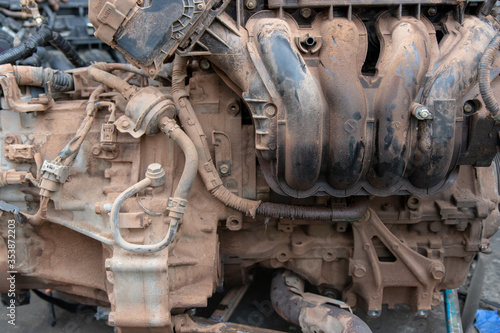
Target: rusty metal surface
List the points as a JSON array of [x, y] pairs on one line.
[[357, 135]]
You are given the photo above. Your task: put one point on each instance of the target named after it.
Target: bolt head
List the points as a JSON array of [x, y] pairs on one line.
[[432, 11], [125, 124], [251, 4], [155, 168], [204, 64], [224, 169], [468, 108], [200, 6], [305, 12], [96, 151]]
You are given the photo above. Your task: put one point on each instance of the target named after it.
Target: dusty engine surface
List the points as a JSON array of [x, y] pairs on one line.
[[346, 145]]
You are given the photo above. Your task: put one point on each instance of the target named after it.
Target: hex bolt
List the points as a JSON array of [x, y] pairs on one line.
[[251, 4], [125, 124], [224, 169], [204, 64], [359, 270], [437, 271], [421, 112], [306, 13], [432, 11], [156, 173]]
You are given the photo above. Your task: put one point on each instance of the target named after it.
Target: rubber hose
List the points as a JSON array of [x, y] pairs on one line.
[[67, 49], [27, 47], [489, 55]]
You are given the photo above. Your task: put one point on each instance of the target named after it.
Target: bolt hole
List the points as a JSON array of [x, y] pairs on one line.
[[310, 41], [298, 243]]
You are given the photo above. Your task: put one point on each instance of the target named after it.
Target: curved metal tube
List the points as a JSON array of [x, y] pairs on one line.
[[177, 204], [290, 303]]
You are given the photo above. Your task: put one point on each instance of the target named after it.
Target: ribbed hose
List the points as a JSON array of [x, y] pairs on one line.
[[42, 37], [191, 125], [27, 47], [487, 59], [39, 77], [213, 183], [67, 49]]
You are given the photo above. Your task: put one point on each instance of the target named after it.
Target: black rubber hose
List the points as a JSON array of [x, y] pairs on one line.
[[67, 49], [42, 37], [27, 47], [489, 55], [289, 305], [352, 212]]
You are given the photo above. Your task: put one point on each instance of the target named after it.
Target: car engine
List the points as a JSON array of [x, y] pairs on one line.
[[347, 146]]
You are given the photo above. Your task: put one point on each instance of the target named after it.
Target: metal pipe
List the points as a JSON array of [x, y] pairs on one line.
[[452, 308], [155, 177]]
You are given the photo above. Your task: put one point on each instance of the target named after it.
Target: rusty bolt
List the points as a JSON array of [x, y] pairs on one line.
[[224, 169], [251, 4], [421, 113], [125, 124], [204, 64], [9, 139], [359, 270], [96, 151], [484, 248], [305, 12], [437, 271], [432, 11]]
